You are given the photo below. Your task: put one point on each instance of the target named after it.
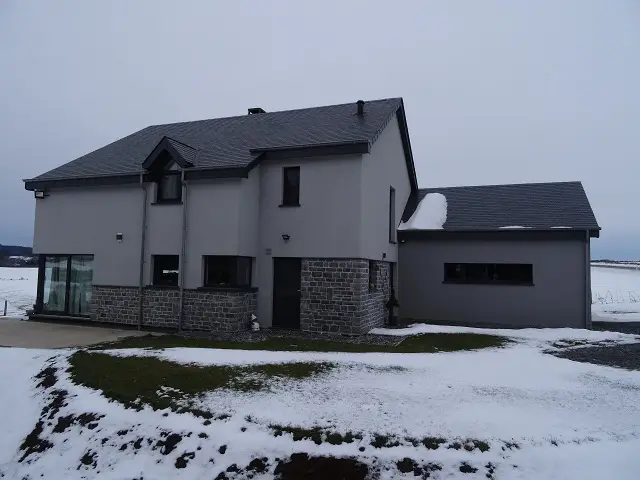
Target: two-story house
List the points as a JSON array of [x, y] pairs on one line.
[[289, 216], [293, 217]]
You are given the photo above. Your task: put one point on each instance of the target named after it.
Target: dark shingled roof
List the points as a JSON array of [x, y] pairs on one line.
[[538, 206], [226, 142]]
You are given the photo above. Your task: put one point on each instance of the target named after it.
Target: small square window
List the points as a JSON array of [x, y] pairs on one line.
[[291, 186], [227, 271], [373, 275], [169, 188], [166, 269]]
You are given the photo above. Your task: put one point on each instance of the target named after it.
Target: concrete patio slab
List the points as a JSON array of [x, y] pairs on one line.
[[32, 334]]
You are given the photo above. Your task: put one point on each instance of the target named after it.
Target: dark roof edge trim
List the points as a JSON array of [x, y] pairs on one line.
[[286, 153], [163, 145], [531, 233], [191, 174], [352, 145], [408, 155], [82, 182]]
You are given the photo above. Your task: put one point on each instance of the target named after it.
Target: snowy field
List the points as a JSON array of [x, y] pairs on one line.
[[615, 294], [19, 287], [541, 417]]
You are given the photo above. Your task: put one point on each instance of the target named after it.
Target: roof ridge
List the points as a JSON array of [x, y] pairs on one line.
[[266, 114]]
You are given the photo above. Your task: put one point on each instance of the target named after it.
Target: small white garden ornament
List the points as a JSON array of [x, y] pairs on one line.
[[255, 326]]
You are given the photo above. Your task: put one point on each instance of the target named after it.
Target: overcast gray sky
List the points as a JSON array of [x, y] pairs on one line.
[[495, 91]]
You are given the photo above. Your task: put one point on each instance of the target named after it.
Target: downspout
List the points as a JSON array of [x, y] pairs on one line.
[[587, 280], [183, 251], [142, 253]]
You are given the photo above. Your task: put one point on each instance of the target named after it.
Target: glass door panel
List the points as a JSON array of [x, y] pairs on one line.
[[54, 296], [80, 279]]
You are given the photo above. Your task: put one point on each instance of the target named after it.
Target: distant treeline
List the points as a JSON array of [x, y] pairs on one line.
[[16, 256], [14, 250]]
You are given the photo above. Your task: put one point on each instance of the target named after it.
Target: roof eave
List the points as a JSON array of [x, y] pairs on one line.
[[45, 184], [413, 233], [128, 179]]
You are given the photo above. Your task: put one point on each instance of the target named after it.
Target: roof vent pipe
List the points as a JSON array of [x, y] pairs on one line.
[[360, 104]]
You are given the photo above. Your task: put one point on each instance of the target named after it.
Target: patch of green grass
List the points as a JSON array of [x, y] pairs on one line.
[[316, 434], [473, 444], [136, 381], [424, 343], [448, 342], [432, 443], [384, 441]]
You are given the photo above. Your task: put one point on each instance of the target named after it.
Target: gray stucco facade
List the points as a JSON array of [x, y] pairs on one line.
[[559, 296], [343, 217]]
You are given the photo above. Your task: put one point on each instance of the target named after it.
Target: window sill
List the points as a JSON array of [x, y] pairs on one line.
[[227, 289], [162, 287], [168, 202], [293, 205], [498, 284]]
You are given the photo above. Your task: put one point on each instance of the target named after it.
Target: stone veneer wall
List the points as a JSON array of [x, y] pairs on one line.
[[220, 311], [336, 296], [115, 304]]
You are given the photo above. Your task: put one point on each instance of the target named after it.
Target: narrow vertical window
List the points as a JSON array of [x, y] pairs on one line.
[[291, 186], [392, 215]]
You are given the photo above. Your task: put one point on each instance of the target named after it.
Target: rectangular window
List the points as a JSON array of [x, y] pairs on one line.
[[169, 188], [54, 298], [291, 186], [392, 215], [227, 271], [373, 275], [489, 273], [65, 284], [166, 269], [81, 279]]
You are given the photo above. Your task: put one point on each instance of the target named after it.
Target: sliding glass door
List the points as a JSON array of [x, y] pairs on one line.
[[80, 284], [54, 297], [65, 284]]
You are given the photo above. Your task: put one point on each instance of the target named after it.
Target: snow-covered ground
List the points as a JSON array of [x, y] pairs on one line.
[[543, 417], [19, 287], [615, 294]]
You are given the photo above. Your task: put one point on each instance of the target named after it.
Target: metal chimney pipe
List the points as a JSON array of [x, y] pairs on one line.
[[360, 104]]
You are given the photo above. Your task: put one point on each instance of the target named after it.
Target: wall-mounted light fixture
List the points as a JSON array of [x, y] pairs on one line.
[[39, 194], [286, 237], [119, 237]]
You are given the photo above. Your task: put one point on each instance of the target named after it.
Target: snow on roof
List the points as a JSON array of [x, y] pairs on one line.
[[513, 227], [431, 214]]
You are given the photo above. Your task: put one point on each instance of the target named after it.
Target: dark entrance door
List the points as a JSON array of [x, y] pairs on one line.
[[286, 292]]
